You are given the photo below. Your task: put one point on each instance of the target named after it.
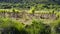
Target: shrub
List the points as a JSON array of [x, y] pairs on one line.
[[8, 26], [13, 30], [55, 27], [37, 27]]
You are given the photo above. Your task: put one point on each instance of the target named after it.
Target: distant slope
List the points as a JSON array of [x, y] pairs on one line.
[[27, 4], [29, 1]]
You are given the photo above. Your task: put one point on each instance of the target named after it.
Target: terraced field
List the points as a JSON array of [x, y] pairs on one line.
[[26, 17]]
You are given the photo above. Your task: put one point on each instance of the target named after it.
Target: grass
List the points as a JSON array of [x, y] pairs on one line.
[[37, 26], [9, 10], [7, 22]]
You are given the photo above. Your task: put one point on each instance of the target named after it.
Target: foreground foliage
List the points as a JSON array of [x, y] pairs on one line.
[[8, 26]]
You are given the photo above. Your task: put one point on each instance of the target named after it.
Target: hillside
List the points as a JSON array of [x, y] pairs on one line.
[[29, 16], [27, 1], [27, 4]]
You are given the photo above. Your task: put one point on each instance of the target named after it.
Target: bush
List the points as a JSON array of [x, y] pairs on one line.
[[37, 27], [8, 26], [13, 30], [55, 27]]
